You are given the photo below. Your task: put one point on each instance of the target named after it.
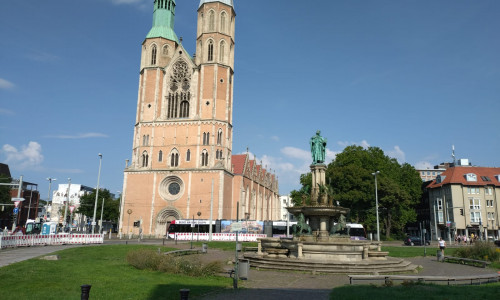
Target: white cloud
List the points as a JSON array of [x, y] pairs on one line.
[[297, 153], [275, 138], [4, 84], [29, 157], [398, 154], [79, 136], [423, 165], [363, 144]]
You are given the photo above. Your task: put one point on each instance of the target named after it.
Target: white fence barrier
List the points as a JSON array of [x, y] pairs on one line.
[[242, 237], [42, 240]]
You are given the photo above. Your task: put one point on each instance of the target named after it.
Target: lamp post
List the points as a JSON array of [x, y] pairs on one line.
[[48, 197], [96, 193], [376, 204], [67, 203], [102, 210], [247, 216], [199, 214]]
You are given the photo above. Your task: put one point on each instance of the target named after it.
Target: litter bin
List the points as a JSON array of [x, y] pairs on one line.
[[243, 268], [439, 255], [238, 247], [204, 248]]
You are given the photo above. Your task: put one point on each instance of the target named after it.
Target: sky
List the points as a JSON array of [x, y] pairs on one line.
[[411, 77]]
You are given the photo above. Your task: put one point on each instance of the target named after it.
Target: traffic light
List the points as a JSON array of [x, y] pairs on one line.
[[137, 224], [461, 211]]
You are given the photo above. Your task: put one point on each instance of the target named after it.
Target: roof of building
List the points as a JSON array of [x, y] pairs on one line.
[[227, 2], [458, 175], [238, 161]]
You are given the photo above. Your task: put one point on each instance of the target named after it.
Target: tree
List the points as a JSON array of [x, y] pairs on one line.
[[111, 206], [303, 196], [350, 178], [5, 190]]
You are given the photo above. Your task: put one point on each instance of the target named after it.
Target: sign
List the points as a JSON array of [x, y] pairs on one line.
[[17, 199], [236, 227], [16, 210], [71, 208], [16, 204], [93, 223], [448, 223]]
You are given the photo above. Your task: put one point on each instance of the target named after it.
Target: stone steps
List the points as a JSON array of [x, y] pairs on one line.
[[391, 265]]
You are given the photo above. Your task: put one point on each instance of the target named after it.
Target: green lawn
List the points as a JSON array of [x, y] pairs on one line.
[[103, 267]]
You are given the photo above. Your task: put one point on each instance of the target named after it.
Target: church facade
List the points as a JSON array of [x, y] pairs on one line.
[[182, 163]]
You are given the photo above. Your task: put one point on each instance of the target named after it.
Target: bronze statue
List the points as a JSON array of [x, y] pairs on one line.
[[339, 227], [318, 148], [301, 227]]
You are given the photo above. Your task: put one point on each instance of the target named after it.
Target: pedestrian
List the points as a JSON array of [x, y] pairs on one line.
[[465, 239], [442, 245], [459, 239]]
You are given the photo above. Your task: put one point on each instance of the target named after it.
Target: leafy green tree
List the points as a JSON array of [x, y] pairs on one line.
[[303, 196], [352, 185], [5, 190], [111, 206]]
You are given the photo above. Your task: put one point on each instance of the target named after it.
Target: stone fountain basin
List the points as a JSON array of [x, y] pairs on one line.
[[319, 211]]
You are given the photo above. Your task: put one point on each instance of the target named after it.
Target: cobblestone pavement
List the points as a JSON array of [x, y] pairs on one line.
[[264, 284]]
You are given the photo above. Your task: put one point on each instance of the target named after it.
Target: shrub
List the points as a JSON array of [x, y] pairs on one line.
[[479, 250], [151, 260]]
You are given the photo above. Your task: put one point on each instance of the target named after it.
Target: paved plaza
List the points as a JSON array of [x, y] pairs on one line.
[[264, 284]]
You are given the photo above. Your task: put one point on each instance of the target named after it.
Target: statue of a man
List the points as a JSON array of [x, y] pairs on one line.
[[318, 148]]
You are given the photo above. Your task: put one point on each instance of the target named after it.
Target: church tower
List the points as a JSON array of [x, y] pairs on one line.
[[182, 142]]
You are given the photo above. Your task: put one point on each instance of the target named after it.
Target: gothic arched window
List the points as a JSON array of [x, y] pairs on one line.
[[210, 51], [174, 159], [145, 158], [153, 55], [188, 155], [223, 22], [179, 96], [211, 21], [204, 158], [160, 156], [219, 137], [165, 50], [221, 51]]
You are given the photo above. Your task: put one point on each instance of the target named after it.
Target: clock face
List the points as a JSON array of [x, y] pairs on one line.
[[174, 188]]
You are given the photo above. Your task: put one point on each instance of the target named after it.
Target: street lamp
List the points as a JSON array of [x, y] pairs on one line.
[[67, 203], [376, 204], [48, 198], [96, 193], [199, 214]]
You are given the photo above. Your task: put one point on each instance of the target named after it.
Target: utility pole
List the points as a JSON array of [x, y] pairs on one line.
[[67, 203], [96, 193]]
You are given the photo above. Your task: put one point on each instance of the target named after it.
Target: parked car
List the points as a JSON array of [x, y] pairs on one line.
[[415, 240]]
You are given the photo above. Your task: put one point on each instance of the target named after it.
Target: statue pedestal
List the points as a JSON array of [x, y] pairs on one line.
[[318, 178]]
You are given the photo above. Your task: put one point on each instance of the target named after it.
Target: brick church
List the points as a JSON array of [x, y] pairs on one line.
[[182, 162]]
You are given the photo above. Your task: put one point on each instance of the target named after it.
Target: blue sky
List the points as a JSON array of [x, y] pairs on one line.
[[410, 77]]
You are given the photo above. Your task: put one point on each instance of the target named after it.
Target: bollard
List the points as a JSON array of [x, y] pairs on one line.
[[85, 291], [184, 294], [204, 248]]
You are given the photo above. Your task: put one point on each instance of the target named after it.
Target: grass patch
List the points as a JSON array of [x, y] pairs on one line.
[[106, 269], [416, 291]]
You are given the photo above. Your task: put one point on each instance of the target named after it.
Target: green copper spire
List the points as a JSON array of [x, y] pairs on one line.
[[163, 20]]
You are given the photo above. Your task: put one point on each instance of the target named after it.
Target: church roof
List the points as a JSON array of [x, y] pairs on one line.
[[238, 161], [227, 2]]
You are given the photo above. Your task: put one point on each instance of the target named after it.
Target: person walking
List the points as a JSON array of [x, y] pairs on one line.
[[442, 246]]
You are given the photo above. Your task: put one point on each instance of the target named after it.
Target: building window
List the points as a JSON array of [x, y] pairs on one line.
[[179, 96], [489, 203], [145, 158], [471, 177], [160, 156], [472, 190], [204, 158], [206, 138], [184, 109], [211, 21], [210, 51], [219, 137], [188, 155], [223, 22], [474, 203], [221, 52], [153, 55], [475, 216], [488, 190], [145, 140], [174, 159]]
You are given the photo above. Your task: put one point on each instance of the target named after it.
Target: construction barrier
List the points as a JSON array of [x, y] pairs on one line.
[[230, 237], [53, 239]]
